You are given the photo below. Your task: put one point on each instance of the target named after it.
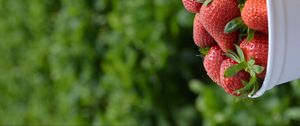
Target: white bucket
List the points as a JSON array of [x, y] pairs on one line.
[[284, 44]]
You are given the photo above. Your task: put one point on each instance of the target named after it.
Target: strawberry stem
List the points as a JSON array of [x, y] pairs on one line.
[[241, 4], [250, 34]]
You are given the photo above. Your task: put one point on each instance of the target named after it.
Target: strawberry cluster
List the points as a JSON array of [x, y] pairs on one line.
[[233, 38]]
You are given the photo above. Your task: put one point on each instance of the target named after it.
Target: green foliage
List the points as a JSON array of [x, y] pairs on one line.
[[97, 62], [278, 106], [109, 62]]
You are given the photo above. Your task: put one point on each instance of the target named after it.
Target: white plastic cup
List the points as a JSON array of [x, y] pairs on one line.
[[284, 44]]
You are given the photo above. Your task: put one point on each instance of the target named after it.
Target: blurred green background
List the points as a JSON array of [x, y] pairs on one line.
[[117, 62]]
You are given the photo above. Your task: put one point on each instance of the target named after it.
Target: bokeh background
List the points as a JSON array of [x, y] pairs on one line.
[[117, 62]]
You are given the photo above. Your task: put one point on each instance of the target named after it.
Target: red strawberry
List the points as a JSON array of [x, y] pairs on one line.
[[212, 63], [234, 83], [191, 6], [201, 37], [215, 16], [257, 48], [255, 16]]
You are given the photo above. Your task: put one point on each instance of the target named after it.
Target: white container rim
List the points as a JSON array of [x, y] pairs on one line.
[[276, 52]]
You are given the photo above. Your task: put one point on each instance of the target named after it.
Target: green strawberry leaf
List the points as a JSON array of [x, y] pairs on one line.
[[251, 62], [244, 82], [242, 36], [207, 2], [255, 88], [241, 1], [250, 34], [233, 70], [233, 56], [243, 28], [246, 88], [233, 25], [200, 1], [241, 6], [204, 51], [256, 85], [242, 32], [258, 69], [240, 53]]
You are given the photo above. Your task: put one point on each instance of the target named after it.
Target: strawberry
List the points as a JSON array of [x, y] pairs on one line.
[[255, 16], [212, 63], [191, 5], [215, 16], [234, 83], [257, 48], [201, 37]]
